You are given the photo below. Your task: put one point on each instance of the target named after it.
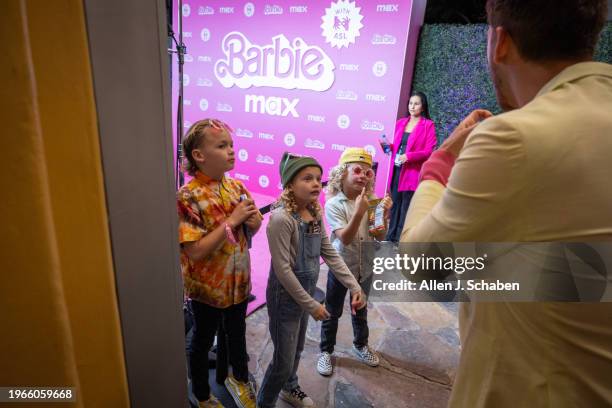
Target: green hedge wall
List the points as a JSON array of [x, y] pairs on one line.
[[451, 68]]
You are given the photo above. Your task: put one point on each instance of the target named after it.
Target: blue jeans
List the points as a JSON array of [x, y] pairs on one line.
[[334, 302], [288, 321]]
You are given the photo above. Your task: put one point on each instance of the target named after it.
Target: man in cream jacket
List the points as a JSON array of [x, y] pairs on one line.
[[541, 171]]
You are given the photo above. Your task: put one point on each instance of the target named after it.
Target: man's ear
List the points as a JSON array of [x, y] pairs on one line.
[[503, 45]]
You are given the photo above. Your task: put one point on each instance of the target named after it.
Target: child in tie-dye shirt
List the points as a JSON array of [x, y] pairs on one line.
[[215, 257]]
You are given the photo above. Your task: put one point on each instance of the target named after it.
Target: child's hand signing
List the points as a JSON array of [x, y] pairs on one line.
[[321, 313], [387, 203], [254, 221], [358, 302], [241, 213], [361, 203]]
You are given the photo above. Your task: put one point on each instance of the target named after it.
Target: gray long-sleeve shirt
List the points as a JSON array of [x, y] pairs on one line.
[[283, 239]]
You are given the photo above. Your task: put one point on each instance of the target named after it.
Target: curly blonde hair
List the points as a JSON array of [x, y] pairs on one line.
[[336, 177], [287, 200]]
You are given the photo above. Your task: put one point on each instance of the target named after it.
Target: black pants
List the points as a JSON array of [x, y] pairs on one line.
[[334, 303], [401, 202], [206, 323]]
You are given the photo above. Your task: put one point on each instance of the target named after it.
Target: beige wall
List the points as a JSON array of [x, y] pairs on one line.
[[129, 59]]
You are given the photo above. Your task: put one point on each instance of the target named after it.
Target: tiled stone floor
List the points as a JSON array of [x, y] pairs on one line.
[[418, 345]]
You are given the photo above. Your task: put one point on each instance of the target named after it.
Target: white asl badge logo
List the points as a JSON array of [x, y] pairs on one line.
[[341, 23]]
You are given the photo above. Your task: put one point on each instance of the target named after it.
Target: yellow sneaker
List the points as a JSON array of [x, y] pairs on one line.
[[211, 402], [242, 393]]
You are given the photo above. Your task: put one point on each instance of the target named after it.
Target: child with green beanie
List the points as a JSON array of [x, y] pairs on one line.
[[297, 239]]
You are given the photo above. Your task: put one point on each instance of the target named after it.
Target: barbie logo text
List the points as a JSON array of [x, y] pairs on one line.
[[282, 64]]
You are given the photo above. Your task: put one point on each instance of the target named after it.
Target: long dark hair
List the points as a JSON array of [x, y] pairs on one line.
[[423, 102]]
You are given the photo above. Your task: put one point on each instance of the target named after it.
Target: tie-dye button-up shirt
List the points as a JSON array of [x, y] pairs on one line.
[[223, 278]]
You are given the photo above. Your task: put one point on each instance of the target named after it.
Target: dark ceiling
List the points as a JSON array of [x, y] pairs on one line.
[[455, 12]]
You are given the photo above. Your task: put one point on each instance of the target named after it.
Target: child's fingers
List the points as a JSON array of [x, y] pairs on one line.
[[322, 313], [323, 310], [354, 302], [247, 214], [247, 203], [250, 206], [358, 302]]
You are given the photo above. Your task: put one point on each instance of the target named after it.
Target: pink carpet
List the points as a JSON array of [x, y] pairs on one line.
[[260, 257]]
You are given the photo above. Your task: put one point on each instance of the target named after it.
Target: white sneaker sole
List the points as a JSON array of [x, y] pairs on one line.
[[325, 373], [364, 361]]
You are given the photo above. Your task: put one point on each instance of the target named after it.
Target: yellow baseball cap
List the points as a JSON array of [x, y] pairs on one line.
[[356, 154]]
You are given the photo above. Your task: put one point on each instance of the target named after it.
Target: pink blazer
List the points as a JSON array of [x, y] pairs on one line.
[[421, 143]]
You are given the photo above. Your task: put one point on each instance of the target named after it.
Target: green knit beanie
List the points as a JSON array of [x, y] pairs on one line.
[[290, 165]]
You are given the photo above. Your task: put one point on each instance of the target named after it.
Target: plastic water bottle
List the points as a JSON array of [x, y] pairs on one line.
[[376, 216], [385, 144], [379, 216]]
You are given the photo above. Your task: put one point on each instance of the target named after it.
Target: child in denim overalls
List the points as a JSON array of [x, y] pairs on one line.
[[297, 240]]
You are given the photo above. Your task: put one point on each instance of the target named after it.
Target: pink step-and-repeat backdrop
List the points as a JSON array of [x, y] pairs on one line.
[[309, 77]]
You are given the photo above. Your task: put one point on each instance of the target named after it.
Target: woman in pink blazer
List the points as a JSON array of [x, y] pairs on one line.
[[413, 143]]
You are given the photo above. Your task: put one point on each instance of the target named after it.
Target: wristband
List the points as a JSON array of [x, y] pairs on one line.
[[230, 234], [438, 167]]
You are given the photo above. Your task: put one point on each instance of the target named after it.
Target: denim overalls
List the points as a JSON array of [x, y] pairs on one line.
[[288, 321]]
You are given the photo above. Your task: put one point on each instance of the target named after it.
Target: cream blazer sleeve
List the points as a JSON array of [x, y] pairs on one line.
[[487, 182]]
